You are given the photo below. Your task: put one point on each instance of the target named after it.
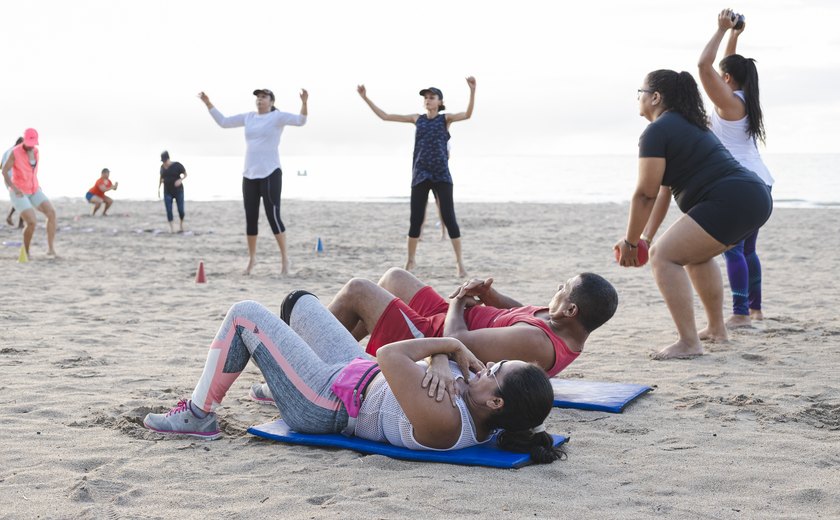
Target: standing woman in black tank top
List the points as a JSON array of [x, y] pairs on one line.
[[430, 167]]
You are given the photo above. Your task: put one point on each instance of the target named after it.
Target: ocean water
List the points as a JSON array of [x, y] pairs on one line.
[[801, 180]]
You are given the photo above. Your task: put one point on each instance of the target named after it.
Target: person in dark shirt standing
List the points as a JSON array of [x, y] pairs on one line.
[[723, 203], [172, 175], [430, 165]]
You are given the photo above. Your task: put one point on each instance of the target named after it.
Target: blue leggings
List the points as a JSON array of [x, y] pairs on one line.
[[744, 270], [178, 195]]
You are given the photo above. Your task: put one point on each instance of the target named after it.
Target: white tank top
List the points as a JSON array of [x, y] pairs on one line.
[[736, 139], [382, 419]]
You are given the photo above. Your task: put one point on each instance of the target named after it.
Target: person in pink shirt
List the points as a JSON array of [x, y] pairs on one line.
[[25, 192]]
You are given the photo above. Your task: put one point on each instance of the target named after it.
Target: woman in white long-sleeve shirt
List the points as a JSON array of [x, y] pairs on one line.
[[263, 176]]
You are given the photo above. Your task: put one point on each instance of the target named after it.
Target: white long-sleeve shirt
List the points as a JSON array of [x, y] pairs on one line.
[[262, 138]]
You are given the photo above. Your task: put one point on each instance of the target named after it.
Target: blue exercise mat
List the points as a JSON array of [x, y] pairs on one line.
[[593, 395], [482, 455]]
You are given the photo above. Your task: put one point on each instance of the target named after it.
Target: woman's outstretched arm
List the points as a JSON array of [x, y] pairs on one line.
[[461, 116], [732, 43], [408, 118], [728, 105], [221, 120]]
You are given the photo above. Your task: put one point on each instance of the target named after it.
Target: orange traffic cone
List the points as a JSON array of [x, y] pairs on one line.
[[199, 275]]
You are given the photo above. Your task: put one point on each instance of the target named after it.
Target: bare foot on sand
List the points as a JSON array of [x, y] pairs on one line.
[[251, 262], [462, 273], [756, 314], [679, 350], [284, 269], [738, 321], [713, 335], [410, 265]]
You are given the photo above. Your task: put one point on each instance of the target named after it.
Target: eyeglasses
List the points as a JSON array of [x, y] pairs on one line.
[[641, 90], [492, 372]]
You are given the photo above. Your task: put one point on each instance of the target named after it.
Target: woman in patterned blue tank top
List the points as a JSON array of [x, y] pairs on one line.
[[430, 165]]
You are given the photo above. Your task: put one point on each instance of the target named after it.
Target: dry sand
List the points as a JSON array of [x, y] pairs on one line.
[[116, 327]]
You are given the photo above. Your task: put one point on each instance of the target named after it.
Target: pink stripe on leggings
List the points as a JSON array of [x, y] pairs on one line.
[[221, 382]]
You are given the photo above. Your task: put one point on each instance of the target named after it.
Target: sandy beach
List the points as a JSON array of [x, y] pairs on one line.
[[117, 327]]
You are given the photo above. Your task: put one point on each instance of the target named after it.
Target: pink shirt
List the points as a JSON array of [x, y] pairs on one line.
[[25, 176], [484, 317]]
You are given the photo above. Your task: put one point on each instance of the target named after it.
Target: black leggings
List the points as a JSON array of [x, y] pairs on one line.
[[419, 199], [269, 189]]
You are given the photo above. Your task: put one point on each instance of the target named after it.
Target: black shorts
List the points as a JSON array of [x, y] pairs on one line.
[[731, 210]]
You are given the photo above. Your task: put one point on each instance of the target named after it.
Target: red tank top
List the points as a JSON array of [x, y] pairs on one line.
[[484, 317]]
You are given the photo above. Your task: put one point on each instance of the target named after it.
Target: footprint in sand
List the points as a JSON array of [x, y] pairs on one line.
[[822, 415], [82, 360], [753, 357]]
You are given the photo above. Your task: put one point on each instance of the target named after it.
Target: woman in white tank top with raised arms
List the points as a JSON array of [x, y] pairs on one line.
[[323, 382], [737, 121]]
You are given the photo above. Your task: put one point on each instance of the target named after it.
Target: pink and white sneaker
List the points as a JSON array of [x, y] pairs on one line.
[[261, 393]]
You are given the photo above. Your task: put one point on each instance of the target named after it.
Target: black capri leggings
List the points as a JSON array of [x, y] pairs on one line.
[[419, 199], [269, 189]]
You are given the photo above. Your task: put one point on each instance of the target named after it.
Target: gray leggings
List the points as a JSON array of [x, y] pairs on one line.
[[299, 363]]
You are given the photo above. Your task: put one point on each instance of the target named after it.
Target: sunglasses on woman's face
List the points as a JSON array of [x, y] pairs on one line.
[[492, 372]]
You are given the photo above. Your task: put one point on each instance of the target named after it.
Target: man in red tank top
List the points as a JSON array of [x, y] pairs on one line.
[[493, 326]]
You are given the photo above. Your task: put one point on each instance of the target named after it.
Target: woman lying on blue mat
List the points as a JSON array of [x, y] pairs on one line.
[[325, 383]]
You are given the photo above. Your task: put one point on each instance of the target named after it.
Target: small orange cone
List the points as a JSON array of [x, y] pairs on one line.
[[23, 257], [199, 275]]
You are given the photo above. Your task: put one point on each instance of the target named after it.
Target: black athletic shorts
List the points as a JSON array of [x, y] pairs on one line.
[[733, 209]]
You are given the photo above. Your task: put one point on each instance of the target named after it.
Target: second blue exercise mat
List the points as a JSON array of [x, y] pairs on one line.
[[594, 395], [482, 455]]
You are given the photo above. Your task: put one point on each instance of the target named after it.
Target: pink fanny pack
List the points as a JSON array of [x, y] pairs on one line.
[[352, 381]]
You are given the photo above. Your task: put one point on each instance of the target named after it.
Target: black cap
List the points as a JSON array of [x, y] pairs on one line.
[[432, 90], [264, 91], [164, 156]]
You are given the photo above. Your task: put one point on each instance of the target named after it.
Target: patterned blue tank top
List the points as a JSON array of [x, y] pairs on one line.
[[431, 155]]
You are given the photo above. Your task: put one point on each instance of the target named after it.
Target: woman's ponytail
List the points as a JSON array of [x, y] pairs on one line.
[[528, 397], [540, 445], [745, 74], [680, 94]]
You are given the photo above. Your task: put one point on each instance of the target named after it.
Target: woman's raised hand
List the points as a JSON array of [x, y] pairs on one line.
[[204, 99], [362, 91], [304, 95], [726, 20], [471, 82]]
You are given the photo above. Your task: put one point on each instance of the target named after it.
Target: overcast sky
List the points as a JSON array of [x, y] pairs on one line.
[[98, 77]]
